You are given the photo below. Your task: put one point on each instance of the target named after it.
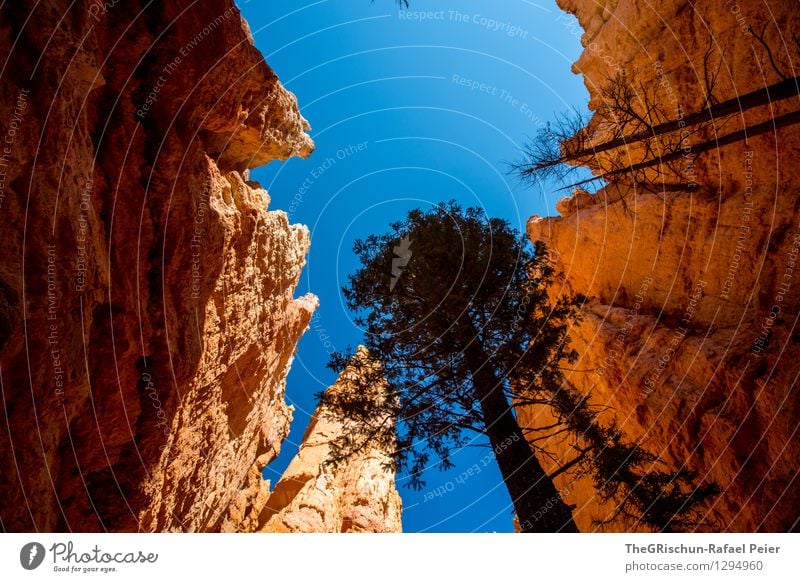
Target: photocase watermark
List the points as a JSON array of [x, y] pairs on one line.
[[477, 19], [522, 309], [67, 558], [31, 555], [573, 28], [196, 241], [511, 30], [685, 145], [322, 333], [421, 15], [81, 259], [475, 469], [743, 230], [149, 388], [503, 95], [316, 173], [785, 284], [10, 138], [617, 345], [98, 8], [172, 67], [95, 560], [736, 10], [402, 255], [678, 335], [52, 322]]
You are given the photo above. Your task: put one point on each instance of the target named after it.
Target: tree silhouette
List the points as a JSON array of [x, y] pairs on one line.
[[457, 317], [643, 140]]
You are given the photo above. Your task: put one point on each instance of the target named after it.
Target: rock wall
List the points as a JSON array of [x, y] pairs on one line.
[[147, 310], [315, 496], [690, 330]]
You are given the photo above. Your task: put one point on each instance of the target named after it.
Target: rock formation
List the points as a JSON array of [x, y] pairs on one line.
[[357, 495], [690, 329], [147, 310]]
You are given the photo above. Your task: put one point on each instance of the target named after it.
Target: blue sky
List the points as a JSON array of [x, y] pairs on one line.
[[408, 108]]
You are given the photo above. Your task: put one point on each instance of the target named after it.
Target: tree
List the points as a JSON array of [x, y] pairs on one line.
[[455, 310], [624, 473], [642, 140], [447, 327]]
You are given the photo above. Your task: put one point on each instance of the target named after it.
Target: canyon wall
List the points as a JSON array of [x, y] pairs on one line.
[[314, 495], [147, 308], [689, 334]]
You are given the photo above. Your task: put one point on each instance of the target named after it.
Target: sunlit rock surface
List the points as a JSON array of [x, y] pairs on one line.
[[690, 331], [314, 496], [147, 308]]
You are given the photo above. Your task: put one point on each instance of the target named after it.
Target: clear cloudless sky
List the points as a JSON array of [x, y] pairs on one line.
[[406, 112]]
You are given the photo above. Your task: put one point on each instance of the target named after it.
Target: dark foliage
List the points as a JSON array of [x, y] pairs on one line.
[[455, 310]]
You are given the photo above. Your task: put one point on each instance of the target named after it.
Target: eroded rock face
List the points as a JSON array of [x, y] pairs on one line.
[[147, 310], [689, 333], [679, 57], [313, 496]]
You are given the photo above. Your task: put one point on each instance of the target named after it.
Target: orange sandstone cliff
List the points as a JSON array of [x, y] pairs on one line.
[[314, 495], [147, 308], [690, 330]]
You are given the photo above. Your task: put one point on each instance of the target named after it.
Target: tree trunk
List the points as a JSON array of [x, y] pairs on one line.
[[538, 505], [769, 126], [784, 90]]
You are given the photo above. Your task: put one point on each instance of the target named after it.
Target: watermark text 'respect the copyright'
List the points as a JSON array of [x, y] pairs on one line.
[[477, 19]]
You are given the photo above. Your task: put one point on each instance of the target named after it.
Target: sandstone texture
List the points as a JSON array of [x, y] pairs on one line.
[[357, 495], [689, 334], [147, 308]]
